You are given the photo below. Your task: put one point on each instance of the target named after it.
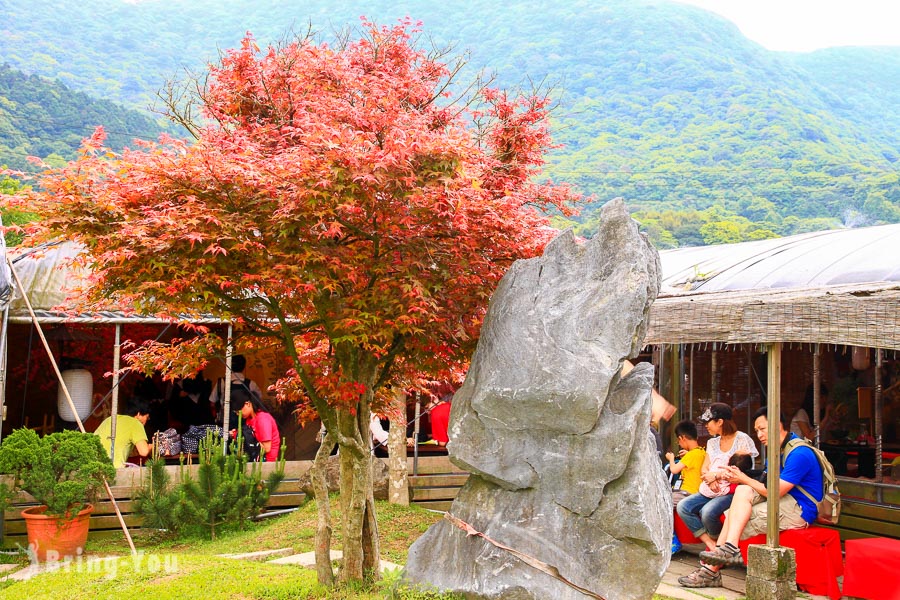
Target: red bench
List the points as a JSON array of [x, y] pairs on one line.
[[684, 534], [873, 569], [819, 562]]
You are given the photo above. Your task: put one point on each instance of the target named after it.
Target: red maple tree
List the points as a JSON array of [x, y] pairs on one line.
[[336, 200]]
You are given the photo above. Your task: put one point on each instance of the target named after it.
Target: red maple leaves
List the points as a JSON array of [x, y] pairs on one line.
[[334, 201]]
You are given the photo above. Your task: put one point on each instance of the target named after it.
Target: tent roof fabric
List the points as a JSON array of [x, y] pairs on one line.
[[832, 287], [47, 275], [810, 260], [50, 278]]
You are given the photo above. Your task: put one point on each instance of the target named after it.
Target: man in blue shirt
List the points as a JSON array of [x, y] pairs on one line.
[[748, 513]]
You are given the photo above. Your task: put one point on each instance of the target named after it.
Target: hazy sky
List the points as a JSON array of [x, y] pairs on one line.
[[811, 24]]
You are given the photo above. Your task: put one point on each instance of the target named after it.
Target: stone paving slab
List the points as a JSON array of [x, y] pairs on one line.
[[308, 559], [262, 555]]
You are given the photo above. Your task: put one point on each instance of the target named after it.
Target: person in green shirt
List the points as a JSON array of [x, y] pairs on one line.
[[130, 432]]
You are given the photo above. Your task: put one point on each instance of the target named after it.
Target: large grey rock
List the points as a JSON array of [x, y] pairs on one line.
[[563, 467]]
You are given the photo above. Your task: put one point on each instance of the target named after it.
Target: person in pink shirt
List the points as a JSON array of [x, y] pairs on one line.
[[254, 414]]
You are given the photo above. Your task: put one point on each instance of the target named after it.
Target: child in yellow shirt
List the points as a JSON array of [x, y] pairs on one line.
[[692, 456]]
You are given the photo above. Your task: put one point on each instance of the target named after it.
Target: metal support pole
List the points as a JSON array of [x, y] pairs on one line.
[[226, 390], [114, 411], [416, 433], [879, 408], [773, 448]]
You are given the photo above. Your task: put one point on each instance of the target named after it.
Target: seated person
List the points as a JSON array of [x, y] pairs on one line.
[[691, 462], [720, 486], [748, 513], [256, 415], [130, 432]]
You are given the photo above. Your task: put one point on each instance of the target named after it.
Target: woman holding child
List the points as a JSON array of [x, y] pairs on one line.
[[702, 511]]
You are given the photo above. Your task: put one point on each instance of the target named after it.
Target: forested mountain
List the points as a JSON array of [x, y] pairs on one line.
[[43, 118], [709, 136]]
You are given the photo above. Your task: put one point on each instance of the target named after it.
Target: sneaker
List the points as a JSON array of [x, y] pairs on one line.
[[723, 556], [700, 578]]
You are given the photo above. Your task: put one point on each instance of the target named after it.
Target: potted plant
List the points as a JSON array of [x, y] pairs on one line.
[[64, 472]]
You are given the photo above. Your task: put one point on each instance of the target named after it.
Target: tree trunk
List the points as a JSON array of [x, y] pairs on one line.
[[398, 482], [360, 543], [324, 572]]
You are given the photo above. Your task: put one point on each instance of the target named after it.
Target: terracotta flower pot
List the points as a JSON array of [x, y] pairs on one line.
[[51, 538]]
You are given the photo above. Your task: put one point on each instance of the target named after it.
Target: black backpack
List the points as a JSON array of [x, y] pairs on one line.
[[251, 446]]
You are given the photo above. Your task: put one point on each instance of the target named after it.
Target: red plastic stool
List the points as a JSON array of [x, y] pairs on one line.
[[873, 569], [819, 562]]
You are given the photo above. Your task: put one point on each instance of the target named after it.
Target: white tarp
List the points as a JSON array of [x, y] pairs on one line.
[[810, 260], [47, 276]]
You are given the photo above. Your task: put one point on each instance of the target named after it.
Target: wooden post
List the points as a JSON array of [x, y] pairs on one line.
[[877, 417], [714, 376], [773, 448], [690, 400], [817, 391], [416, 433], [398, 480]]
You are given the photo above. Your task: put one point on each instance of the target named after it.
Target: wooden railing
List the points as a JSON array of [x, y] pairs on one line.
[[105, 524]]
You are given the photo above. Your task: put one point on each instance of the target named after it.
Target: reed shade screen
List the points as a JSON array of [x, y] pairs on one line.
[[854, 315]]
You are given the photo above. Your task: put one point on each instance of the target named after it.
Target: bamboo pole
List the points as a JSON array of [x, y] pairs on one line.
[[65, 390], [4, 336]]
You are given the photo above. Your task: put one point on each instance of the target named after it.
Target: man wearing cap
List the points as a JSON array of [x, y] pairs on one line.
[[748, 514]]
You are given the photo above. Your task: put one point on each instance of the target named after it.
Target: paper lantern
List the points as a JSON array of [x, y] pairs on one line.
[[80, 384]]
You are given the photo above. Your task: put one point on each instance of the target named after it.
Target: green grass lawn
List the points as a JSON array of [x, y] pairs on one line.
[[189, 569]]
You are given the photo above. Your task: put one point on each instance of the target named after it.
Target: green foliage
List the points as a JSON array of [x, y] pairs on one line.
[[63, 470], [171, 576], [226, 492], [666, 105], [11, 216], [160, 506], [393, 588], [46, 119]]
